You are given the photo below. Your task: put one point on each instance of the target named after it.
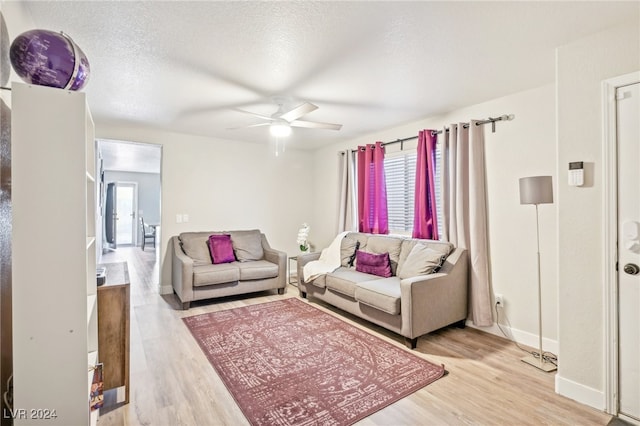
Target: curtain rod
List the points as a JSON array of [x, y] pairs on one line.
[[492, 120], [506, 117]]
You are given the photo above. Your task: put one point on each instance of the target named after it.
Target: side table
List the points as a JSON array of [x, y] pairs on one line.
[[293, 272]]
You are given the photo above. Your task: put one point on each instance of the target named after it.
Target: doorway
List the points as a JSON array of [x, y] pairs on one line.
[[622, 250], [130, 189]]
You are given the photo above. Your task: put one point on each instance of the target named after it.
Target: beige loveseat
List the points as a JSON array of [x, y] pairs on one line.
[[407, 304], [256, 266]]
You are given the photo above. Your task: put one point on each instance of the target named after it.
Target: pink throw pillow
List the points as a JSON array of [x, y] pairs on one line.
[[221, 248], [376, 264]]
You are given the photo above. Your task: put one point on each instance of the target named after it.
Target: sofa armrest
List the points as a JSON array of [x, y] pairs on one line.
[[275, 256], [181, 272], [279, 258], [430, 302], [303, 259]]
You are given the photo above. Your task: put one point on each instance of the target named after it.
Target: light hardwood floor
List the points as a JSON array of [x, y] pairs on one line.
[[172, 383]]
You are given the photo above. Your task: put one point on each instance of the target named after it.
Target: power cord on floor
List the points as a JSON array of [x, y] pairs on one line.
[[546, 356], [8, 394]]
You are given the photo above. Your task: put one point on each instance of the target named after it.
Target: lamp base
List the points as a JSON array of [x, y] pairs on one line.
[[542, 365]]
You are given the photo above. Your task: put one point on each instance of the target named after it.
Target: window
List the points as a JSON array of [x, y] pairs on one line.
[[400, 174]]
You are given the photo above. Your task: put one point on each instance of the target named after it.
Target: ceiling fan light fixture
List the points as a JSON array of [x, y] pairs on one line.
[[280, 129]]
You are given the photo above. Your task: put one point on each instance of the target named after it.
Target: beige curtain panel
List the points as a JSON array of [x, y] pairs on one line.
[[464, 203], [347, 216]]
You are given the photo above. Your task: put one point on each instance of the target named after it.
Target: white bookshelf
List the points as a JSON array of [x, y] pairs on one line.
[[55, 316]]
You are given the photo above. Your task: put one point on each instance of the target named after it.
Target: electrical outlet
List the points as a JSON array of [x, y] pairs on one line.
[[499, 300]]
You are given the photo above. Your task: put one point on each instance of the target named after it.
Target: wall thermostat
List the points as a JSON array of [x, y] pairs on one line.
[[576, 173]]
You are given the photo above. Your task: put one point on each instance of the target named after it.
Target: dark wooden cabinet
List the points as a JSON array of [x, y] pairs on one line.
[[113, 328]]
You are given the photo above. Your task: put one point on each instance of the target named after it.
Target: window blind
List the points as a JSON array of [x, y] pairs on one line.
[[400, 174], [437, 178]]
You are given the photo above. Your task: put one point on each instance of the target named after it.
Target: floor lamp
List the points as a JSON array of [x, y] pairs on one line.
[[537, 190]]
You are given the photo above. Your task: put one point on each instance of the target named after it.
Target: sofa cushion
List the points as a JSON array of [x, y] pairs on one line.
[[247, 245], [343, 280], [371, 263], [257, 270], [422, 260], [204, 275], [408, 244], [383, 294], [359, 237], [348, 247], [221, 249], [195, 245], [385, 244]]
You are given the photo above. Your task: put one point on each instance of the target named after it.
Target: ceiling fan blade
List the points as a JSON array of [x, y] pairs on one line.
[[315, 125], [298, 111], [245, 127], [266, 117]]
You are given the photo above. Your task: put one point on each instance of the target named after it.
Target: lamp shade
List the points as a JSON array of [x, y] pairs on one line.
[[536, 190], [280, 129]]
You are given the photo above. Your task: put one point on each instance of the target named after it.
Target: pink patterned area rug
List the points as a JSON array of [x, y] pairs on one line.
[[289, 363]]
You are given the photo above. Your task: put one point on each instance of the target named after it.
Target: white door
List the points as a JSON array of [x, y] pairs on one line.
[[125, 213], [628, 128]]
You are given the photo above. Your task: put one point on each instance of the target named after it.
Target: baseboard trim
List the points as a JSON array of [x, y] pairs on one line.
[[522, 337], [568, 388], [628, 419], [580, 393]]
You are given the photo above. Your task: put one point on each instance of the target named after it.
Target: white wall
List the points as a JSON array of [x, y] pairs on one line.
[[581, 68], [224, 185], [522, 147]]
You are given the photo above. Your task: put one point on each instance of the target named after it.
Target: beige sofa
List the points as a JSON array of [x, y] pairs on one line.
[[410, 306], [195, 277]]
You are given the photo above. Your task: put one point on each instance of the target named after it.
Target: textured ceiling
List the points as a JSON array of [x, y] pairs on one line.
[[185, 66]]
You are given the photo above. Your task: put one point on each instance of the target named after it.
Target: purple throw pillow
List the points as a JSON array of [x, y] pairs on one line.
[[221, 248], [376, 264]]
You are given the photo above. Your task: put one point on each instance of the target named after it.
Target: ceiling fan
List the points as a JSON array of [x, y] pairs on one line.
[[282, 120]]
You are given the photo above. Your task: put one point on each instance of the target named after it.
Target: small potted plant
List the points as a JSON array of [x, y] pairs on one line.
[[303, 235]]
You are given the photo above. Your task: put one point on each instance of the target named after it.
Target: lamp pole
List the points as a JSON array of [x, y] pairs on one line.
[[537, 190], [539, 289]]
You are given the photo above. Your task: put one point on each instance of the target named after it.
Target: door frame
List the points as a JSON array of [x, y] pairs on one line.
[[610, 234]]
